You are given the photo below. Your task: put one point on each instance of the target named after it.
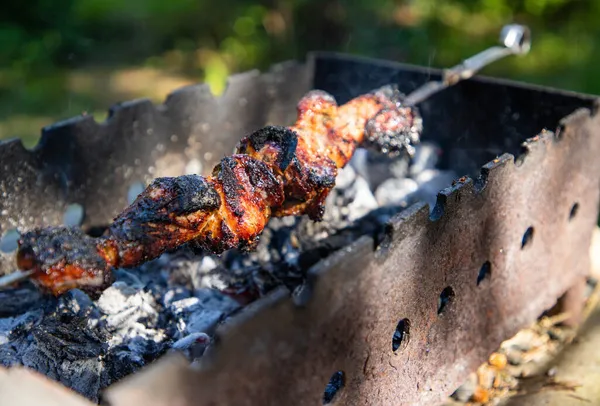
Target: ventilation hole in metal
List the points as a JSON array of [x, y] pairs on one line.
[[559, 133], [134, 190], [332, 390], [573, 212], [73, 215], [401, 335], [95, 231], [446, 297], [527, 237], [485, 273], [10, 241]]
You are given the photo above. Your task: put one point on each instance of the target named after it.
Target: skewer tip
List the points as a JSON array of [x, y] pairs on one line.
[[517, 38], [7, 280]]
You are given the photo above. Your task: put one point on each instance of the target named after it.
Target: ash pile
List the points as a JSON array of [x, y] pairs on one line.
[[175, 302]]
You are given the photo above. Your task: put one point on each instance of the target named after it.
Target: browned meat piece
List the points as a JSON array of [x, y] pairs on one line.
[[275, 171]]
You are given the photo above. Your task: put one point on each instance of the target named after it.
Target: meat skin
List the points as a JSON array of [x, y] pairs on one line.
[[275, 171]]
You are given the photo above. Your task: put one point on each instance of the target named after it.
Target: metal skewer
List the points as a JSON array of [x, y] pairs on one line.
[[17, 276], [515, 40]]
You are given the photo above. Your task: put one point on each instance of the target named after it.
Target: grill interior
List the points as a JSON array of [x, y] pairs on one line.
[[86, 172]]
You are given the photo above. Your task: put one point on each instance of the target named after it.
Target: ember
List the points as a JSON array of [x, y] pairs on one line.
[[174, 302], [173, 295], [274, 172]]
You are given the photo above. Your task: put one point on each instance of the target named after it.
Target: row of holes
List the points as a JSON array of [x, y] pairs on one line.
[[75, 213], [401, 335]]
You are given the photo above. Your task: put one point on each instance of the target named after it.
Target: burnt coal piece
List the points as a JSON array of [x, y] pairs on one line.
[[175, 302]]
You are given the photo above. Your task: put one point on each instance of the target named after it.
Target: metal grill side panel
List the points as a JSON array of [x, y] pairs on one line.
[[277, 352]]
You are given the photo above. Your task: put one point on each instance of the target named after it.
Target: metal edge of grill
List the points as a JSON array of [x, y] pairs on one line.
[[344, 317]]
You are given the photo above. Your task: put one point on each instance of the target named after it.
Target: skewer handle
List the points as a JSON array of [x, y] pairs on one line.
[[515, 40]]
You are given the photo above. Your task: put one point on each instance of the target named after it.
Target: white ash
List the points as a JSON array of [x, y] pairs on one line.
[[128, 313], [175, 302], [200, 313], [192, 345], [426, 157], [396, 192]]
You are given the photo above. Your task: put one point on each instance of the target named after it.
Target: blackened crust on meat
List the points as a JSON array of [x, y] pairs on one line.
[[224, 240], [316, 210], [393, 130], [228, 238], [192, 193], [283, 138], [389, 93], [231, 187], [164, 198], [262, 177], [52, 245], [63, 257], [322, 179], [275, 171]]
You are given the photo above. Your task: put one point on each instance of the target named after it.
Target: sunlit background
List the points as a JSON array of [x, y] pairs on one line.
[[59, 59]]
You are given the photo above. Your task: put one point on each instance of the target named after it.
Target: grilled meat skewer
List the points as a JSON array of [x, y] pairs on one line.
[[275, 171]]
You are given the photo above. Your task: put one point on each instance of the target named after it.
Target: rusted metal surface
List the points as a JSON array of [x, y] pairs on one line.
[[280, 353], [94, 164], [284, 348]]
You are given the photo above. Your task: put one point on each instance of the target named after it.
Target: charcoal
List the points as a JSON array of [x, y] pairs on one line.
[[396, 192], [189, 269], [84, 376], [175, 302], [19, 300], [193, 317], [174, 294], [120, 298], [333, 386], [363, 200], [375, 168], [359, 162], [192, 345], [77, 302], [324, 248], [125, 359], [208, 264], [147, 348], [119, 363], [64, 348], [67, 337], [9, 352], [217, 279], [345, 178], [200, 313], [129, 312], [211, 298], [435, 178], [14, 327], [426, 157], [399, 168]]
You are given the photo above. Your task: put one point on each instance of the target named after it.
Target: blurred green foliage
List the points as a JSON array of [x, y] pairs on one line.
[[59, 58]]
